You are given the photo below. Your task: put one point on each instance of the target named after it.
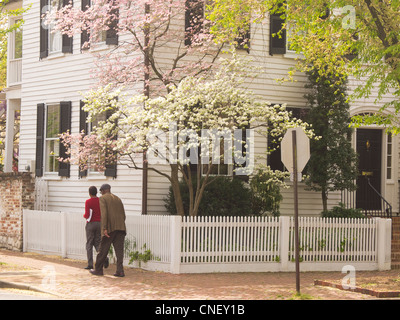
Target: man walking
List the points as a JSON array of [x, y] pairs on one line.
[[113, 230]]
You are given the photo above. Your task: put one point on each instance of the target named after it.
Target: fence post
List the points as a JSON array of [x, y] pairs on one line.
[[284, 226], [175, 243], [384, 230], [63, 223], [24, 230]]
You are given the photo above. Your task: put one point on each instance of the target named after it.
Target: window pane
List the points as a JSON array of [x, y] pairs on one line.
[[95, 123], [53, 121], [52, 148], [55, 41], [18, 43]]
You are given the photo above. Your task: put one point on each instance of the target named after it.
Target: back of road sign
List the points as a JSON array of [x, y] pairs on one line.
[[303, 149]]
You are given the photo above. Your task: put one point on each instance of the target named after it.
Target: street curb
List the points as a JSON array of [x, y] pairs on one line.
[[20, 286], [378, 294]]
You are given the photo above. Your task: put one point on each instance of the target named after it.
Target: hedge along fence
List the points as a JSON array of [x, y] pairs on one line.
[[225, 244]]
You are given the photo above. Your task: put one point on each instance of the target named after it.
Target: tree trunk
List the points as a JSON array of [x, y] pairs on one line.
[[176, 190], [324, 194], [197, 199]]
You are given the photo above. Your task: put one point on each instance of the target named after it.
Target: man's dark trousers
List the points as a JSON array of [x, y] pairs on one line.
[[117, 239]]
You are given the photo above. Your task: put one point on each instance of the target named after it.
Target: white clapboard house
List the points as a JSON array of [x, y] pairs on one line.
[[44, 84]]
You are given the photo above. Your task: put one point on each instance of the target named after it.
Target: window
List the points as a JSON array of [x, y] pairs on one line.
[[289, 32], [55, 39], [91, 126], [194, 18], [52, 119], [52, 142], [277, 37], [14, 70], [52, 41], [222, 168], [16, 49], [109, 37], [86, 128], [389, 157]]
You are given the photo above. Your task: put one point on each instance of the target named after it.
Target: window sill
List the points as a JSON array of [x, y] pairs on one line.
[[98, 47], [57, 55], [293, 55], [95, 176], [51, 177]]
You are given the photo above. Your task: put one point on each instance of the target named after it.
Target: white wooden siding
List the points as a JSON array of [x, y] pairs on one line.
[[52, 80], [55, 79]]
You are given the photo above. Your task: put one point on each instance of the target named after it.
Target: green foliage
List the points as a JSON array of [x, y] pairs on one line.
[[142, 255], [341, 211], [266, 193], [355, 37], [333, 161], [224, 196]]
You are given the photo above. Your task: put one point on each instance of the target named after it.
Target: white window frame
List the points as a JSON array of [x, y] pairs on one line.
[[389, 157], [47, 143]]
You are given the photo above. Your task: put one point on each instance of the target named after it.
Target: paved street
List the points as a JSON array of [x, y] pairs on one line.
[[159, 295]]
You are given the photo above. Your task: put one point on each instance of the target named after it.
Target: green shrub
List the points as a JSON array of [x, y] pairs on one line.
[[266, 193], [341, 212], [224, 196]]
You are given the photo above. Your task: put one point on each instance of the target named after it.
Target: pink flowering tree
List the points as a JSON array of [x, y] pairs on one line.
[[188, 97], [160, 42]]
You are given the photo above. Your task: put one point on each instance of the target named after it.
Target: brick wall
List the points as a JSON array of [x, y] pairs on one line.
[[16, 193]]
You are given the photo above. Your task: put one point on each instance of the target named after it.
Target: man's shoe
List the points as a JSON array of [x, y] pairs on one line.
[[89, 267], [119, 274], [96, 273], [106, 263]]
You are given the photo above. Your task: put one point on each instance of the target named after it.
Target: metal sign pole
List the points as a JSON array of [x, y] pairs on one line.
[[296, 211]]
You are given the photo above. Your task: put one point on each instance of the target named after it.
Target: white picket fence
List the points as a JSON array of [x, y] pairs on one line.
[[225, 244]]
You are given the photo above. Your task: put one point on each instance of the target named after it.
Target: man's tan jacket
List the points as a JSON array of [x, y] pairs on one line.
[[112, 213]]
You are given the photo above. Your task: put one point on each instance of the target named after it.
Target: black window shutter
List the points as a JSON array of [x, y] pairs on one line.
[[83, 129], [85, 4], [277, 43], [39, 139], [194, 14], [44, 32], [111, 168], [112, 33], [65, 125]]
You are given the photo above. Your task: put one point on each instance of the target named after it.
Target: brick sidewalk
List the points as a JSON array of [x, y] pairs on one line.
[[68, 280]]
